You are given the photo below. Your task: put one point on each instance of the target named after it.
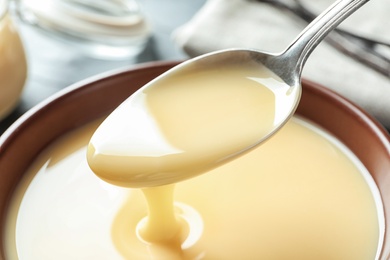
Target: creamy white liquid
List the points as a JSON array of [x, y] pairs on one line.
[[189, 122], [301, 195]]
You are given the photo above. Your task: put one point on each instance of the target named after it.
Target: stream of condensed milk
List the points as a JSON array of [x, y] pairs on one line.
[[300, 195]]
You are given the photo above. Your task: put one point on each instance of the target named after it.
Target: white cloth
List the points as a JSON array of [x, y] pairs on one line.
[[241, 23]]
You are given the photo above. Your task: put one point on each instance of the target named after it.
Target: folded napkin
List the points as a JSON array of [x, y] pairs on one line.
[[224, 24]]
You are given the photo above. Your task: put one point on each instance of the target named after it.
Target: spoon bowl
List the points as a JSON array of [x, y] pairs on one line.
[[174, 142]]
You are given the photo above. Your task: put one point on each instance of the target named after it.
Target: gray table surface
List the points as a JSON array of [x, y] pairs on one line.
[[54, 65]]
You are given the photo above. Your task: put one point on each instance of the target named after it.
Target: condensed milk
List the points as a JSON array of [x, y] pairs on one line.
[[300, 195], [193, 120]]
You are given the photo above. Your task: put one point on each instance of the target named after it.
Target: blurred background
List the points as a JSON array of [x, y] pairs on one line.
[[54, 63], [66, 41]]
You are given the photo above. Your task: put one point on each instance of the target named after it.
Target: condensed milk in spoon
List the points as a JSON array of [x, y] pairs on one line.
[[190, 122]]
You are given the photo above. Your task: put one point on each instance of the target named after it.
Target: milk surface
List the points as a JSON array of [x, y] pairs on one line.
[[300, 195]]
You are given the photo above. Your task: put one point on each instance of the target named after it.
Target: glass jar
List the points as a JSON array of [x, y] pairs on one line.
[[103, 29], [13, 65]]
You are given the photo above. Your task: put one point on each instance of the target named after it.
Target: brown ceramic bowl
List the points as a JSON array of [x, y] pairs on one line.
[[91, 99]]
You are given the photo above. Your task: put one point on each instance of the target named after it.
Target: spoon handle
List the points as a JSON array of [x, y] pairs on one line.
[[299, 50], [372, 53]]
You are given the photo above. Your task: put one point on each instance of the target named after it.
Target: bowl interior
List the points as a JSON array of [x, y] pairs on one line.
[[89, 100]]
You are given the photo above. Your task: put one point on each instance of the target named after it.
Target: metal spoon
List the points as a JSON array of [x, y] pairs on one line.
[[370, 52], [148, 156]]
